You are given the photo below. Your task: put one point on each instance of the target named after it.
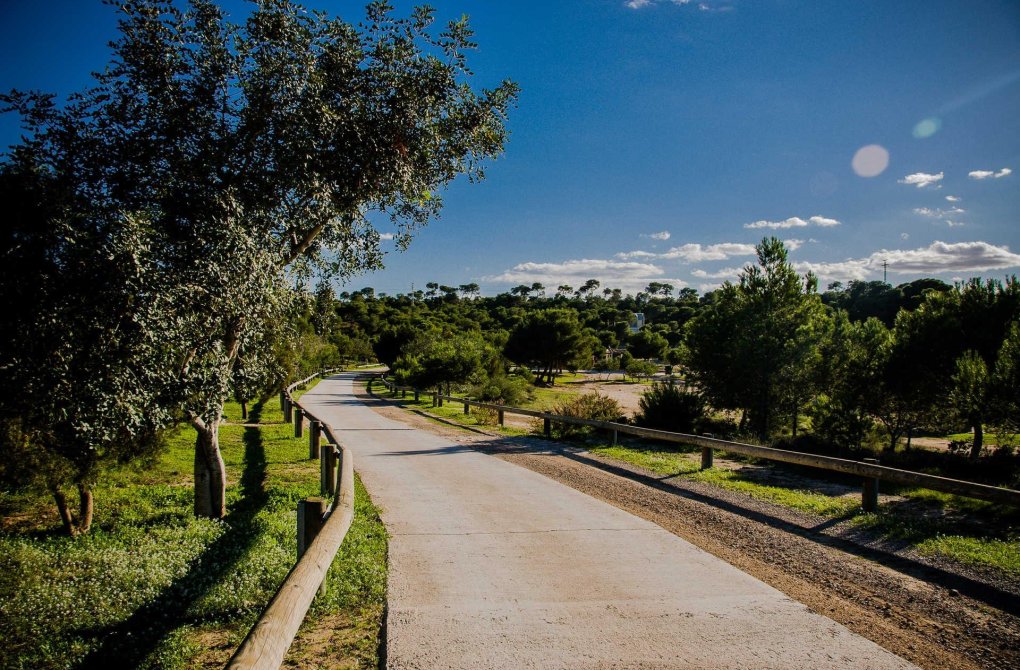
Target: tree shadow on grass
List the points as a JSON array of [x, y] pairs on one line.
[[127, 644]]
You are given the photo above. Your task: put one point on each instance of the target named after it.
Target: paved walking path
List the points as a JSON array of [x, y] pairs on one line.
[[495, 566]]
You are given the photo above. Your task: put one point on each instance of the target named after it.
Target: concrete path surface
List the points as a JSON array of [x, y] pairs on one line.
[[495, 566]]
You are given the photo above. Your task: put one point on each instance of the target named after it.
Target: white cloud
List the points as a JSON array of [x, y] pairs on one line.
[[703, 6], [705, 288], [937, 258], [386, 236], [694, 253], [725, 273], [664, 235], [794, 222], [904, 236], [794, 244], [990, 174], [941, 214], [953, 198], [629, 276], [922, 179]]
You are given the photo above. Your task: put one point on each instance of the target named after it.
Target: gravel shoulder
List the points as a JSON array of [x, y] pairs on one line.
[[932, 614]]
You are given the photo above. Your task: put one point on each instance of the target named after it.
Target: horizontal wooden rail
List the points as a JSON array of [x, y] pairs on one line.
[[267, 643], [868, 470]]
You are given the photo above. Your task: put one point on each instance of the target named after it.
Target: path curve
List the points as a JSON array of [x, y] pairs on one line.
[[495, 566]]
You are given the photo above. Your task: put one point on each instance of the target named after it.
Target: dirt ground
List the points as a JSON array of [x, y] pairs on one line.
[[627, 394], [935, 615]]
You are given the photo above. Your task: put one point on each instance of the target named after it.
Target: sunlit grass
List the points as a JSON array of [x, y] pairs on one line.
[[150, 578]]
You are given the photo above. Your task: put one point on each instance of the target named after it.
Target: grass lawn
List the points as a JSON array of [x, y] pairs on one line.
[[154, 587]]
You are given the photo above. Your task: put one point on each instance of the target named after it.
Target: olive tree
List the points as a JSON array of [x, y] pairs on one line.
[[259, 149], [79, 360]]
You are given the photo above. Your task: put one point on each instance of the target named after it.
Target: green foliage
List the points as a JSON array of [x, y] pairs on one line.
[[1005, 399], [270, 156], [668, 406], [647, 343], [756, 347], [639, 368], [594, 406], [852, 365], [434, 360], [969, 394], [549, 339], [511, 390]]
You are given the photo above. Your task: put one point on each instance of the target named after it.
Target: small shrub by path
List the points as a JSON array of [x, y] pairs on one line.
[[154, 587]]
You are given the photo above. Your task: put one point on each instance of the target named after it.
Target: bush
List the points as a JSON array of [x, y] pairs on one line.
[[638, 368], [667, 406], [503, 390], [594, 406]]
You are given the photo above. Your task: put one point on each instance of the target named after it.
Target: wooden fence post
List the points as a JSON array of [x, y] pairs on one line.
[[499, 414], [440, 396], [309, 522], [330, 458], [287, 410], [707, 454], [283, 399], [467, 408], [616, 436], [299, 422], [547, 427], [869, 494], [314, 438]]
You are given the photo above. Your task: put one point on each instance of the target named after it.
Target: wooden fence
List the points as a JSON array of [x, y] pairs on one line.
[[320, 534], [869, 469]]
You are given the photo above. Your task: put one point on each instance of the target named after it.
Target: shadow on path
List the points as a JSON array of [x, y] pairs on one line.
[[127, 644]]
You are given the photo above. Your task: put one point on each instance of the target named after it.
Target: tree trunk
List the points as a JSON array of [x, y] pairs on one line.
[[72, 526], [910, 436], [65, 513], [244, 410], [85, 508], [979, 441], [796, 415], [210, 474]]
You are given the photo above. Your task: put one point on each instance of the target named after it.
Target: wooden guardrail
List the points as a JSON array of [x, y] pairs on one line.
[[319, 539], [869, 469]]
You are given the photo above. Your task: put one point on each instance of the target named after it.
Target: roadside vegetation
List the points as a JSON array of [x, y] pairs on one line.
[[970, 532], [156, 587]]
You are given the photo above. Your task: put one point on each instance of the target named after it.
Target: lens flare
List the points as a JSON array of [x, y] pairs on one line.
[[927, 127], [870, 160]]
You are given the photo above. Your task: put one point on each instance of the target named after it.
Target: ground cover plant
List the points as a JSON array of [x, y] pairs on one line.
[[155, 587]]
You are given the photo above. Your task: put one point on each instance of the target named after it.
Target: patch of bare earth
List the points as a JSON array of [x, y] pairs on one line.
[[935, 615]]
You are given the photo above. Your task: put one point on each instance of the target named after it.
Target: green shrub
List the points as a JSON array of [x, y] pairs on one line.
[[667, 406], [638, 368], [503, 390], [594, 406]]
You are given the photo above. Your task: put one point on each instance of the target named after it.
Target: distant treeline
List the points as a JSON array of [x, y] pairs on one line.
[[858, 364]]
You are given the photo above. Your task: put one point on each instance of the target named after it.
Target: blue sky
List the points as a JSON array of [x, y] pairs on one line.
[[660, 140]]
